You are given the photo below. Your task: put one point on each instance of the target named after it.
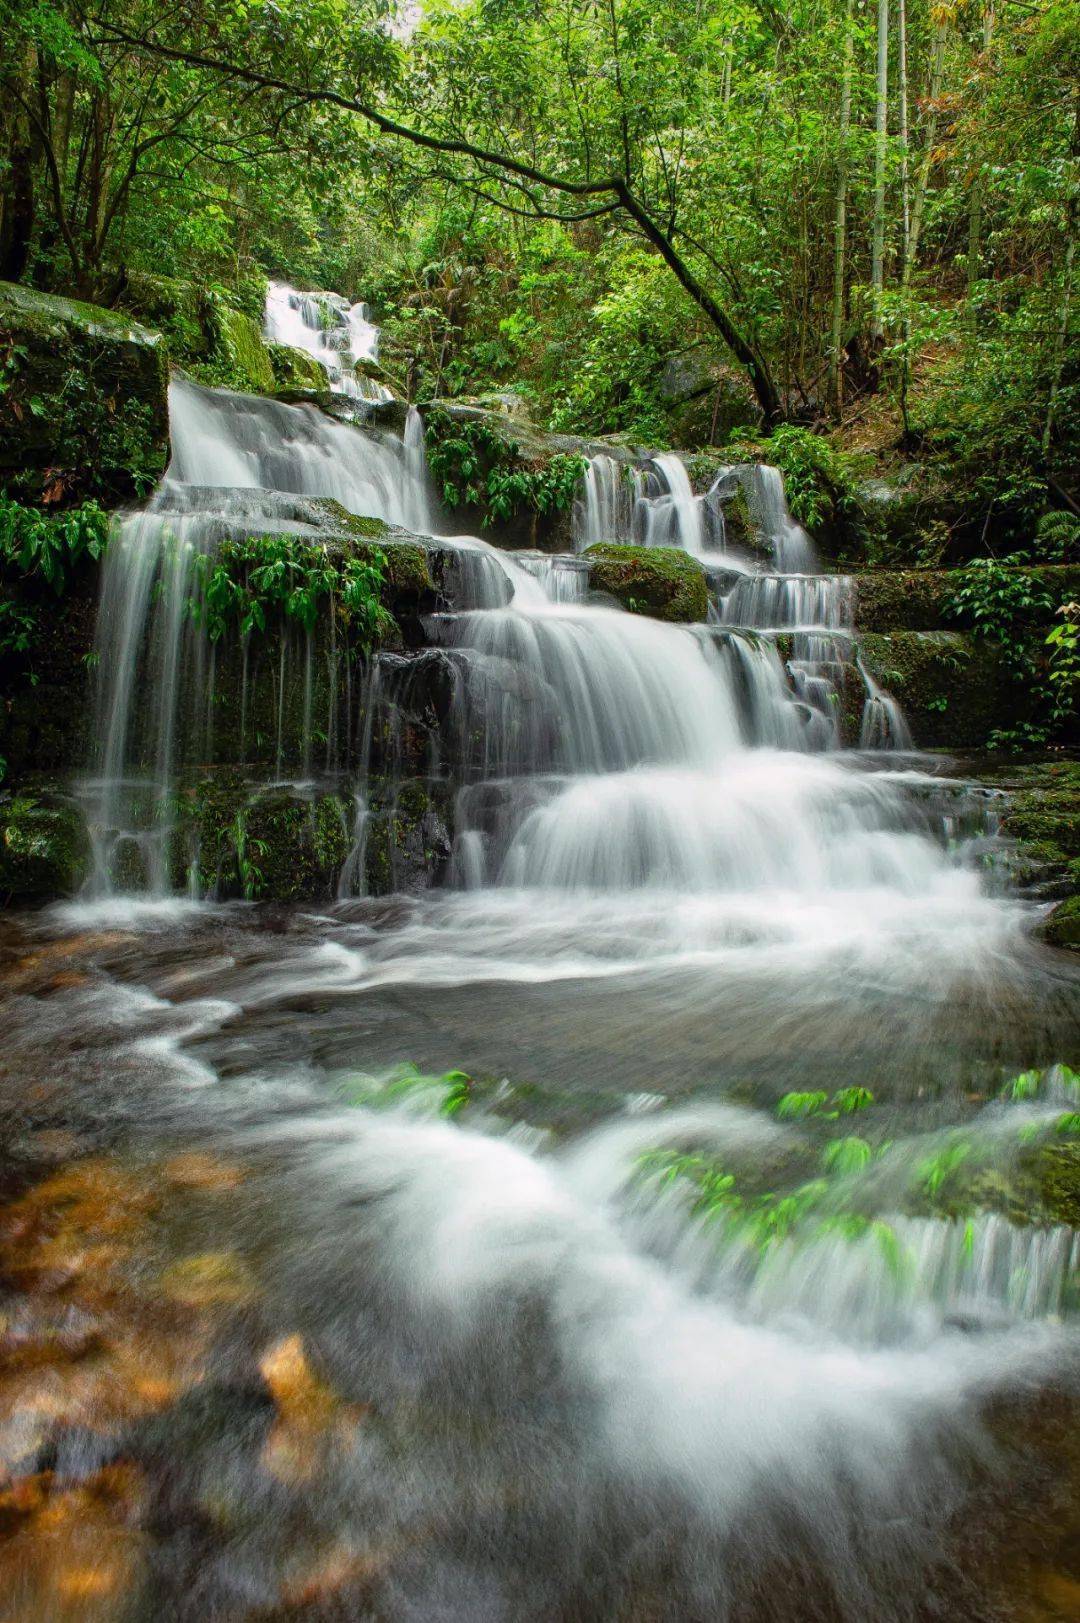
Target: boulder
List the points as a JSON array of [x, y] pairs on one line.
[[298, 376], [662, 582], [84, 408], [44, 846]]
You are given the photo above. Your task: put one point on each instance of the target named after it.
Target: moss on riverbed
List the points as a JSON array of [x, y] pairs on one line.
[[662, 582]]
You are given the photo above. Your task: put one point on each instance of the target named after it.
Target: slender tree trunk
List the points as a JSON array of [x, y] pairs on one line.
[[881, 129], [975, 210], [836, 335], [17, 221], [918, 205], [1061, 337], [902, 73]]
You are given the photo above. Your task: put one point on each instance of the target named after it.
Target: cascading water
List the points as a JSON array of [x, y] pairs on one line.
[[336, 333], [655, 505], [663, 888]]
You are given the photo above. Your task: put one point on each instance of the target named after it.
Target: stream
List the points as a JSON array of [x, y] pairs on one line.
[[635, 1225]]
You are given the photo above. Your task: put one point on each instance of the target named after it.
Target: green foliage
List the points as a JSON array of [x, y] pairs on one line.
[[818, 480], [39, 553], [1002, 602], [845, 1102], [406, 1085], [250, 581], [48, 547], [476, 466]]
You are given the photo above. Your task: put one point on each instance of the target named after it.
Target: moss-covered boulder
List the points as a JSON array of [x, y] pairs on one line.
[[662, 582], [407, 840], [44, 847], [178, 310], [918, 599], [266, 844], [240, 358], [84, 403], [954, 689], [298, 375], [1062, 929]]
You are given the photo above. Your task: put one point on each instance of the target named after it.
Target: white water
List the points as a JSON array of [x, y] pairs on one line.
[[654, 835], [336, 333]]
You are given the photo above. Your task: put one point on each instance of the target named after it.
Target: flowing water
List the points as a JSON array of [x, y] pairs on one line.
[[596, 1331]]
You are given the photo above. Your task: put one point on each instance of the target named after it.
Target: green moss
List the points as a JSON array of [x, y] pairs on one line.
[[240, 359], [44, 847], [662, 582], [1062, 928], [83, 401], [298, 375], [1058, 1172]]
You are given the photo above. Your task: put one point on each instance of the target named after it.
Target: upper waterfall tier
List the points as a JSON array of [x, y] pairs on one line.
[[338, 334]]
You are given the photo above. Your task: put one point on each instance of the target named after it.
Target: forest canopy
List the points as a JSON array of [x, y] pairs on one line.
[[819, 213]]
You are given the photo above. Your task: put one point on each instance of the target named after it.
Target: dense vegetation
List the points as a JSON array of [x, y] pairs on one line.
[[682, 222]]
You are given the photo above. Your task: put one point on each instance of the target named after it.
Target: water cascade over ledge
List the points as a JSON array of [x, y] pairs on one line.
[[654, 1309]]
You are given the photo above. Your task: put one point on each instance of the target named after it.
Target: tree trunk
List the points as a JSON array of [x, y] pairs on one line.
[[836, 369], [937, 63], [902, 73], [881, 128], [17, 220]]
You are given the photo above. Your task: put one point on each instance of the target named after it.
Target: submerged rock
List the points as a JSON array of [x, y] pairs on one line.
[[84, 411], [662, 582]]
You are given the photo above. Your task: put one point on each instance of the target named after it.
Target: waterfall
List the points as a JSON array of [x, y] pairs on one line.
[[336, 333], [652, 505], [588, 748]]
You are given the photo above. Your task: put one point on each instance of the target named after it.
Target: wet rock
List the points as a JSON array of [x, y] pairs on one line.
[[177, 309], [298, 375], [954, 689], [243, 361], [662, 582], [408, 843], [44, 847], [1062, 929], [272, 844], [84, 411]]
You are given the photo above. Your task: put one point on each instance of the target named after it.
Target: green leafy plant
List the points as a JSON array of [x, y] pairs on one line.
[[250, 580], [475, 466]]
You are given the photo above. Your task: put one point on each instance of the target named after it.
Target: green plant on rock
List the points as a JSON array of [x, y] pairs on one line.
[[476, 466], [251, 580], [1004, 603]]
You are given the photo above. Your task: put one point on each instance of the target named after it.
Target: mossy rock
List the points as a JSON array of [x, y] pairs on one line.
[[298, 376], [918, 599], [240, 358], [955, 689], [278, 844], [44, 846], [662, 582], [407, 839], [84, 408], [1062, 928], [177, 309]]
